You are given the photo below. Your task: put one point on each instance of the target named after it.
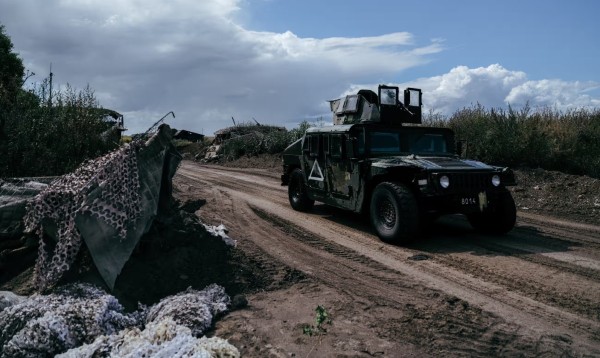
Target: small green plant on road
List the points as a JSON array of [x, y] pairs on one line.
[[322, 317]]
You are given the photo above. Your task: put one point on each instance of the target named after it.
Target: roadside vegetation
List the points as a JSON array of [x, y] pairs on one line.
[[261, 139], [44, 132], [549, 139], [50, 132]]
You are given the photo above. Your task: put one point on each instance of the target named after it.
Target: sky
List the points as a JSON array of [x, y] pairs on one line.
[[279, 61]]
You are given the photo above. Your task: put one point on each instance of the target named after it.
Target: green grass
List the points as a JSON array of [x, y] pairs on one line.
[[255, 140], [545, 138]]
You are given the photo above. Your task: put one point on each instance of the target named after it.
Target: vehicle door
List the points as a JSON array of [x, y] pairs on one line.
[[314, 163], [344, 168], [337, 173]]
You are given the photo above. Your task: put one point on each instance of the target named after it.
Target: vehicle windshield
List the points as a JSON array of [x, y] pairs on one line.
[[408, 141]]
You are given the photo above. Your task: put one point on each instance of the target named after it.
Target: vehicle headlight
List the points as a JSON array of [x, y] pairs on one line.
[[444, 181], [496, 180]]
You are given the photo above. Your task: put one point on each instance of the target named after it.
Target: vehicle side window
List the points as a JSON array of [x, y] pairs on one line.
[[385, 142], [336, 146], [361, 143], [314, 145], [306, 144]]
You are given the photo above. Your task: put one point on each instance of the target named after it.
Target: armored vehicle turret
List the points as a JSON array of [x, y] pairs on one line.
[[376, 158]]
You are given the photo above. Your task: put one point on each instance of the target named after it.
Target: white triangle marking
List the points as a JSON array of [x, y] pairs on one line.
[[316, 174]]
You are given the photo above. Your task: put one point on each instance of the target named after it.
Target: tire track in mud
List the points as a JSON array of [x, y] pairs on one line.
[[346, 270], [432, 311], [585, 234], [448, 316], [358, 251], [549, 262], [512, 253], [574, 300]]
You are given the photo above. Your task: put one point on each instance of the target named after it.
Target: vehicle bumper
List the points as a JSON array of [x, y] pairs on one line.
[[462, 203]]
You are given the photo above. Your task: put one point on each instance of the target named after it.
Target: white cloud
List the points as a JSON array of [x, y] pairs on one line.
[[192, 57], [496, 86], [463, 86], [554, 93]]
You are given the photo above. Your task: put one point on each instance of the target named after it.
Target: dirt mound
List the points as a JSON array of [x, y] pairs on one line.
[[574, 197], [178, 252]]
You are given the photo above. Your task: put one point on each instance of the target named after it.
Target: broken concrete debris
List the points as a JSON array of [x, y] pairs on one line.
[[221, 231]]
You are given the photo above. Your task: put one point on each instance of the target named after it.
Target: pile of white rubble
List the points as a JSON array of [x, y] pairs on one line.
[[81, 320]]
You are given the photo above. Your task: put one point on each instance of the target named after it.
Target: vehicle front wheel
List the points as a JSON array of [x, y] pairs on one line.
[[500, 220], [297, 194], [394, 213]]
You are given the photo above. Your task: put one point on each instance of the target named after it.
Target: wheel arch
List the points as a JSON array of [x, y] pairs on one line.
[[288, 167], [405, 176]]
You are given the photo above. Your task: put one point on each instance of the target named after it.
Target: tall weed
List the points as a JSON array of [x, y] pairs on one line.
[[44, 139], [545, 138]]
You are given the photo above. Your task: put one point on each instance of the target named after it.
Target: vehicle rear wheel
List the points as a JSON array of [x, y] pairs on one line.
[[297, 194], [498, 221], [394, 213]]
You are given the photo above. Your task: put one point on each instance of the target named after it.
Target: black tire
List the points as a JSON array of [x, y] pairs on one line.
[[299, 199], [394, 213], [500, 220]]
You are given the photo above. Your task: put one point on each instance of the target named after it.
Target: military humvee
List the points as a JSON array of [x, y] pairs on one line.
[[376, 158]]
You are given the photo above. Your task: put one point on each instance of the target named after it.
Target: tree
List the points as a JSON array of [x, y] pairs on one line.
[[11, 74], [38, 138], [11, 71]]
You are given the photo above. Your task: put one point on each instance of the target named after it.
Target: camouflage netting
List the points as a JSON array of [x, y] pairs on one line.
[[164, 338], [58, 205], [192, 308], [44, 325], [83, 321], [108, 203]]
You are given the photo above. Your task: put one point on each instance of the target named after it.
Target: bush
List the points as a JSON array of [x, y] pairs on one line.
[[260, 139], [550, 139], [46, 140]]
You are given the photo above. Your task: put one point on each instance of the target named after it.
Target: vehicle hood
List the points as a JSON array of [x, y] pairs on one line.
[[430, 163]]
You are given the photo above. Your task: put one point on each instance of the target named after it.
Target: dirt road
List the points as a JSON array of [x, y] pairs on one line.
[[535, 291]]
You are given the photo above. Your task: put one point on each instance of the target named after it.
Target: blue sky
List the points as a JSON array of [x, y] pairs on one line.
[[280, 60], [557, 39]]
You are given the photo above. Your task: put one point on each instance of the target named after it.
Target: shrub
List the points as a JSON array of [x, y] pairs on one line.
[[44, 140], [550, 139], [252, 140]]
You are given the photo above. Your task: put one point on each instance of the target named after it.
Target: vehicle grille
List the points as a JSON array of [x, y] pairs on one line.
[[469, 181]]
